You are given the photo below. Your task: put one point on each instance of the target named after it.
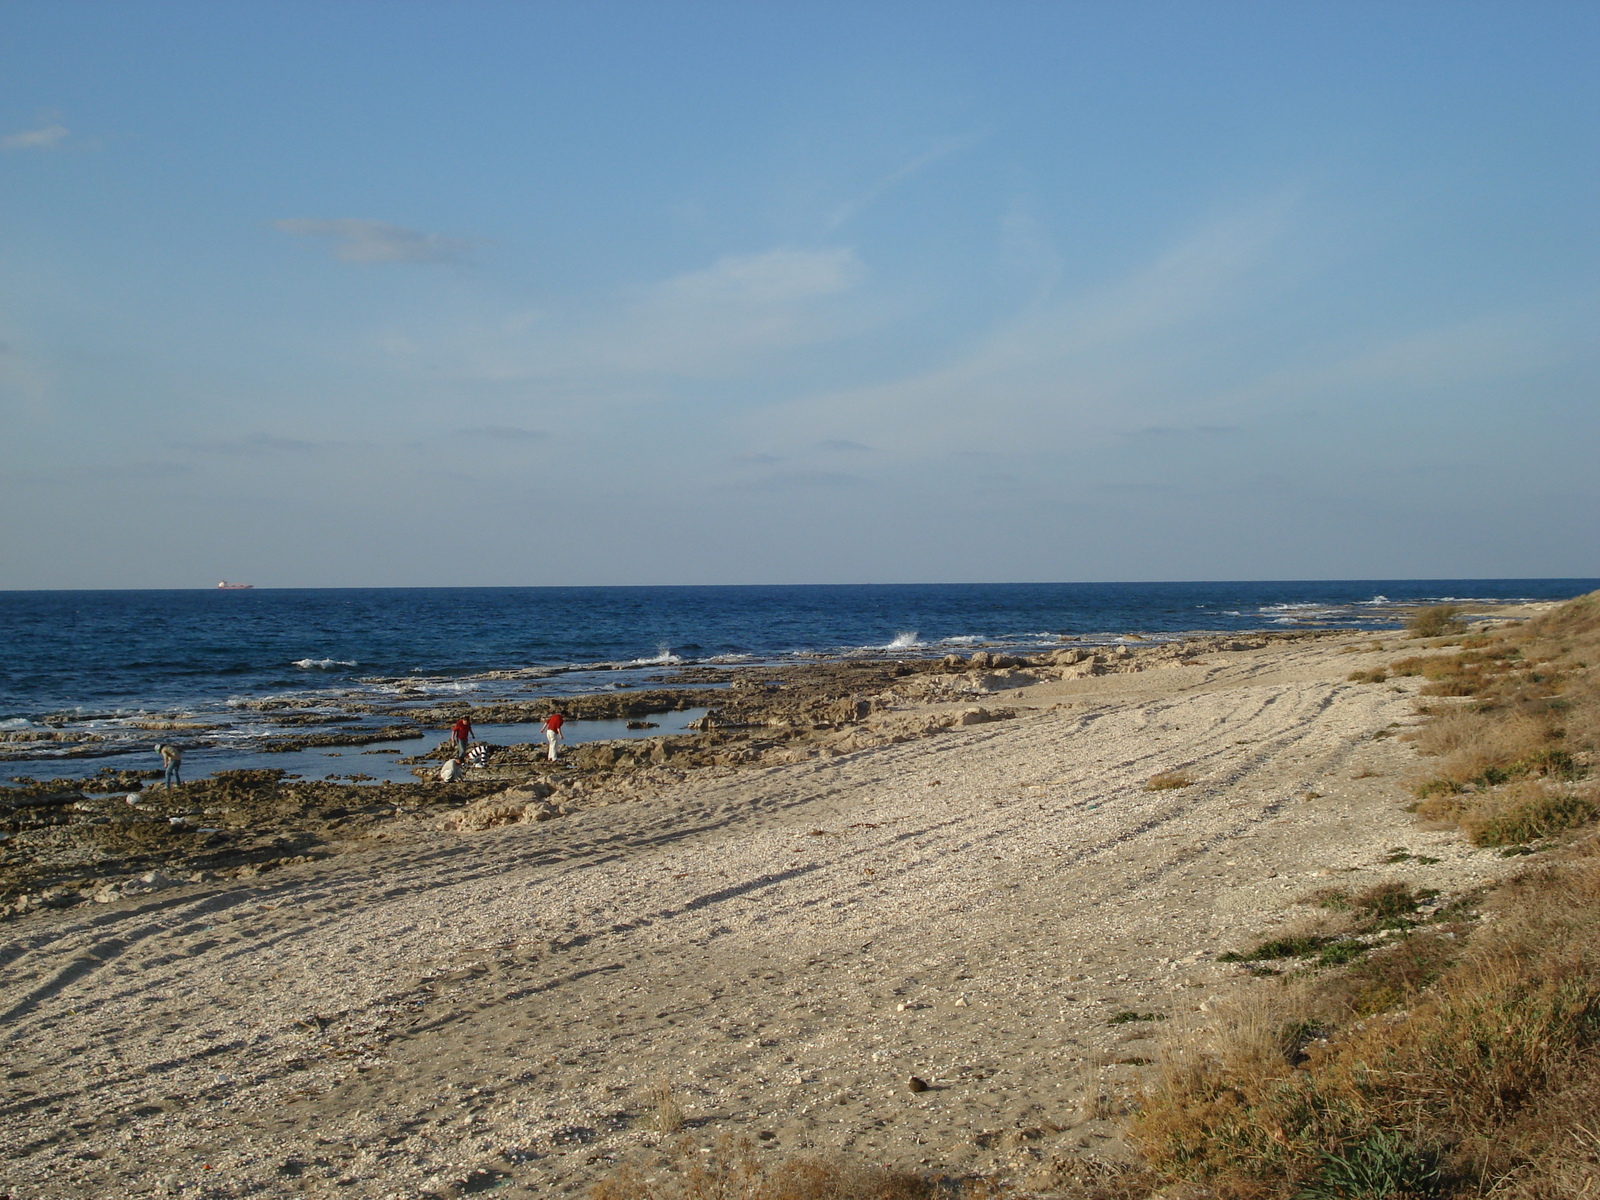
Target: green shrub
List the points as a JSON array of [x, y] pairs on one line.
[[1381, 1166], [1437, 620]]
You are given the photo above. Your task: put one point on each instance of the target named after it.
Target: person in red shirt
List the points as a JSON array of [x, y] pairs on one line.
[[552, 732], [461, 734]]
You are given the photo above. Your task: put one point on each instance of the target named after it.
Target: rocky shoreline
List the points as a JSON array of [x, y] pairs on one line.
[[65, 842]]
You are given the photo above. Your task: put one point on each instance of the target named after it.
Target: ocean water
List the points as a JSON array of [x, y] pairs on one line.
[[102, 663]]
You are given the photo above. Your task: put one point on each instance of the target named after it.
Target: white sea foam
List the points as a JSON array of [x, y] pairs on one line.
[[322, 664], [664, 657], [966, 639], [904, 640], [16, 723]]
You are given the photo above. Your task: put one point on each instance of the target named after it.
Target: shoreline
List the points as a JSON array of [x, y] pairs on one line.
[[333, 704], [783, 939]]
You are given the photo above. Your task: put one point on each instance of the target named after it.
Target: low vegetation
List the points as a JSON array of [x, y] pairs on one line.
[[733, 1169], [1444, 1065], [1168, 780], [1447, 1056], [1437, 620]]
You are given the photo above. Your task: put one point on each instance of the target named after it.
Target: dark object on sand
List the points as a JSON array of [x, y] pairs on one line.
[[918, 1085]]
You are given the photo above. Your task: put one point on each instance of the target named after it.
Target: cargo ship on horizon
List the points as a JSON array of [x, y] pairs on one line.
[[225, 585]]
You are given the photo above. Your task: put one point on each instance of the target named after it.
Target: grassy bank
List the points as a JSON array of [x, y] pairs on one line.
[[1463, 1058]]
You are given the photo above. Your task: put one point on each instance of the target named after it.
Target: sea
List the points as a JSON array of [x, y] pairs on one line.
[[90, 681]]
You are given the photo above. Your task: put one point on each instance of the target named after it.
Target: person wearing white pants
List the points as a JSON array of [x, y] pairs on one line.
[[552, 732]]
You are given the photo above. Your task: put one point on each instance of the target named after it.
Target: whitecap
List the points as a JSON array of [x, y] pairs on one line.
[[904, 640], [322, 664], [664, 657]]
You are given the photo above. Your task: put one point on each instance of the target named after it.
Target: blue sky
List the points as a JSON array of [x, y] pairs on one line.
[[465, 293]]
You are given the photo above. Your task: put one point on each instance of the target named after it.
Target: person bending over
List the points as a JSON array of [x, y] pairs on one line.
[[171, 759], [552, 732]]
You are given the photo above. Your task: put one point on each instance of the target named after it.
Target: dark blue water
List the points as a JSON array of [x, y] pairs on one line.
[[101, 659]]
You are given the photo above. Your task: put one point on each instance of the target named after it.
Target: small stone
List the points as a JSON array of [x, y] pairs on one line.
[[961, 1002], [917, 1085]]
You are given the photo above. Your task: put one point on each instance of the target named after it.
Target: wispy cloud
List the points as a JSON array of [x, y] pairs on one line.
[[887, 183], [702, 323], [1176, 432], [501, 433], [251, 445], [47, 137], [1063, 365], [784, 481], [362, 241], [125, 471]]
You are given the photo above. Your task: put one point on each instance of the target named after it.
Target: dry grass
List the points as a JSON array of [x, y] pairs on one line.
[[1439, 1064], [1169, 779], [1437, 620], [665, 1112], [1475, 1069], [733, 1169], [1526, 812]]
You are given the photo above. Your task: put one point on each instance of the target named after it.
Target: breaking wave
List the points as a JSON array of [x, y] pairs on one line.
[[664, 657], [322, 664]]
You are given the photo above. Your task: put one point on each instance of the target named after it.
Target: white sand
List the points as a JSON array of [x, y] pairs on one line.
[[785, 947]]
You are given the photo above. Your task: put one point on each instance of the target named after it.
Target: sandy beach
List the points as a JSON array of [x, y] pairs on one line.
[[781, 946]]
